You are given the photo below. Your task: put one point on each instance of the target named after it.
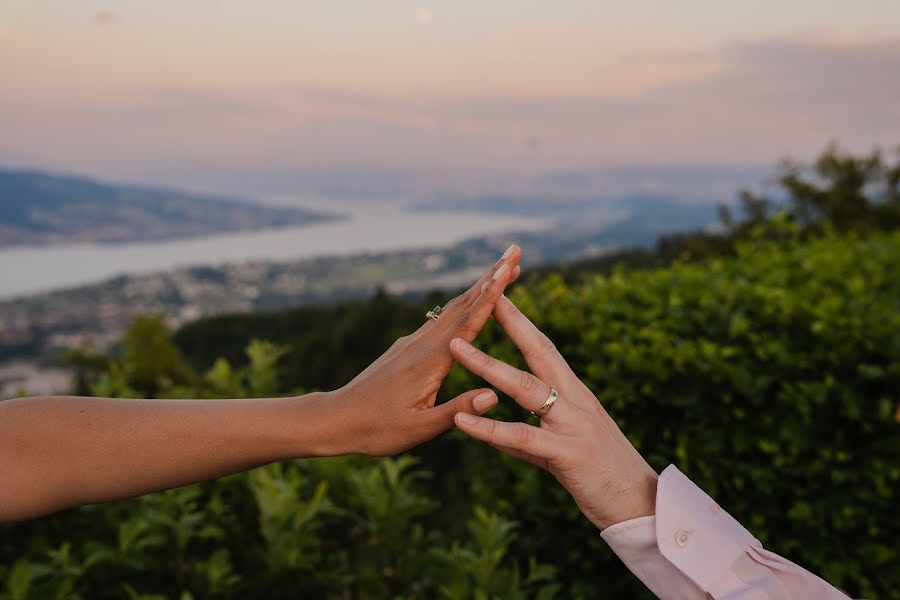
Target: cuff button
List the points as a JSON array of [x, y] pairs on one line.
[[681, 538]]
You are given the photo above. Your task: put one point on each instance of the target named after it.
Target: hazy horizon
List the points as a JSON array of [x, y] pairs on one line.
[[423, 98]]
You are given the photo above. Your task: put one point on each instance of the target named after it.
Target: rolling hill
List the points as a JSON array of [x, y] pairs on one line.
[[40, 208]]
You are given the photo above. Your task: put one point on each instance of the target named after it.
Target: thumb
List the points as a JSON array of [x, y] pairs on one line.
[[474, 402]]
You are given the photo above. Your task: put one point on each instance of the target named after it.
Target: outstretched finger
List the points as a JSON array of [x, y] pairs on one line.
[[522, 455], [464, 301], [476, 402], [539, 443], [528, 391], [469, 322], [539, 351], [437, 360]]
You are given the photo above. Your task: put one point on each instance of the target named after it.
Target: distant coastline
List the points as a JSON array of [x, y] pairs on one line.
[[95, 315], [42, 209], [27, 270]]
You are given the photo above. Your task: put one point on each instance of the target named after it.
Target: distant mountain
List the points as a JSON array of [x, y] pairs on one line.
[[629, 220], [40, 208]]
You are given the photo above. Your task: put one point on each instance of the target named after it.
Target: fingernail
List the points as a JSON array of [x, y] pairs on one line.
[[508, 251], [484, 286], [501, 272], [465, 419], [483, 401]]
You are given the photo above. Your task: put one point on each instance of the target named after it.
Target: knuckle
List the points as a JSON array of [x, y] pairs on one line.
[[455, 302], [521, 434], [464, 321], [541, 347], [527, 381], [546, 344], [485, 361], [447, 309]]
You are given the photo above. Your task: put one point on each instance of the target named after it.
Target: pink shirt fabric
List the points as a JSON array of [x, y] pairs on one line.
[[692, 549]]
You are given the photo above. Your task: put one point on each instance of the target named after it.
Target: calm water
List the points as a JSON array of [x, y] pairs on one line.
[[372, 227]]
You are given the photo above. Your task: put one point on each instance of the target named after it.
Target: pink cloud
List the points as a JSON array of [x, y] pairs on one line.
[[743, 103]]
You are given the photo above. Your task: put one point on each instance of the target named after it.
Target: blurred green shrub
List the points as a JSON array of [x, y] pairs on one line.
[[772, 380]]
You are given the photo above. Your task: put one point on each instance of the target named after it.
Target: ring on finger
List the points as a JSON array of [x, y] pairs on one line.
[[548, 404], [435, 313]]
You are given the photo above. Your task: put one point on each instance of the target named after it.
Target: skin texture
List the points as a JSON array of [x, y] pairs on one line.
[[577, 441], [58, 452]]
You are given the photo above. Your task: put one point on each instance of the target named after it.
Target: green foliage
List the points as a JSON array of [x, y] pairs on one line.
[[329, 344], [150, 359], [839, 191], [479, 568], [289, 524], [852, 193]]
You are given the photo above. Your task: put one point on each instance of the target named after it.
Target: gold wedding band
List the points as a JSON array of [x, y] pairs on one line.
[[551, 399]]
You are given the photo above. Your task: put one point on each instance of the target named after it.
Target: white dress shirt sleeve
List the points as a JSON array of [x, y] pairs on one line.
[[692, 549]]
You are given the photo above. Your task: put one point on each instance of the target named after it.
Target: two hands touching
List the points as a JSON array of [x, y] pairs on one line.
[[57, 452], [577, 441], [390, 407]]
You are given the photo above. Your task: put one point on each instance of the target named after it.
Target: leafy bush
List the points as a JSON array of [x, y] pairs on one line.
[[771, 379]]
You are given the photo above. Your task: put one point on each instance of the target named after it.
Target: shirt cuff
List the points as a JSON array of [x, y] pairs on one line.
[[694, 533], [692, 548], [634, 542], [698, 539]]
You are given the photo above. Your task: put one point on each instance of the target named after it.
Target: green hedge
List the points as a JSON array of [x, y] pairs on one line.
[[771, 379]]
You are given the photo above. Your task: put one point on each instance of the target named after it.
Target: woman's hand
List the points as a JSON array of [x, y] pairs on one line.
[[390, 407], [577, 441]]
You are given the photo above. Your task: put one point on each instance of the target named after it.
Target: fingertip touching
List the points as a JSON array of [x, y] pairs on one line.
[[465, 421], [472, 402], [484, 401], [512, 253]]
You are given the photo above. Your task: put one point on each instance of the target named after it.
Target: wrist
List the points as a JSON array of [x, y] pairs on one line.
[[324, 424], [639, 501]]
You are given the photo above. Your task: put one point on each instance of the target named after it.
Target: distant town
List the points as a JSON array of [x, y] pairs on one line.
[[35, 329]]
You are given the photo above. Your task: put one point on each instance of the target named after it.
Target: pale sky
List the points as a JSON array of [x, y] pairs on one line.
[[445, 95]]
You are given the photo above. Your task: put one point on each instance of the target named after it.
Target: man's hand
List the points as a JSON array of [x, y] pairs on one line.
[[577, 441]]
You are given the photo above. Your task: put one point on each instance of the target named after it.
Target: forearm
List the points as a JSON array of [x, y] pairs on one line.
[[57, 452]]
